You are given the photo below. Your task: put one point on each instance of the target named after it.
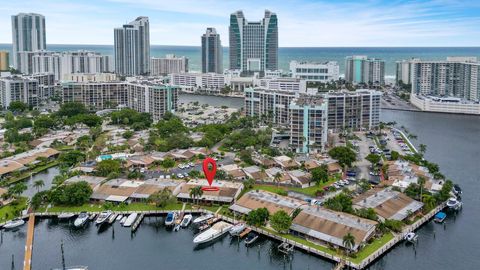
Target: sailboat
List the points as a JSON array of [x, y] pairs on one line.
[[69, 267]]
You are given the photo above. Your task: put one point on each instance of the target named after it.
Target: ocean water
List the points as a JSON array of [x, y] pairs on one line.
[[389, 54]]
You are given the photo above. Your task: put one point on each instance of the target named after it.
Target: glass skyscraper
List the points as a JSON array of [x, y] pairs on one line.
[[253, 45], [212, 52], [132, 48]]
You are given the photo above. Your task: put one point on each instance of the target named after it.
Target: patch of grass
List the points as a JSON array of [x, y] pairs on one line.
[[311, 191], [27, 174], [129, 207], [10, 211], [371, 248]]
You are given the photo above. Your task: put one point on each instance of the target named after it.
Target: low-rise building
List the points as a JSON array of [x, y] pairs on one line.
[[387, 203], [315, 72], [226, 193], [255, 199], [286, 162], [445, 104], [234, 171], [116, 191], [325, 226]]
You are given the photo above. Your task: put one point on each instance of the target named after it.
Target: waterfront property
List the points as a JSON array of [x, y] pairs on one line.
[[445, 104], [361, 69], [255, 199], [315, 72], [329, 227], [226, 193], [387, 203], [403, 173], [25, 160]]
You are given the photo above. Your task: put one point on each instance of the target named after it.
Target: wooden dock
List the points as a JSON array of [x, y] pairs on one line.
[[245, 232], [27, 262]]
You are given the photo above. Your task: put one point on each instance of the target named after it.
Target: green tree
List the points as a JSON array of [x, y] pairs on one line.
[[71, 194], [348, 241], [70, 109], [277, 177], [106, 167], [374, 159], [258, 217], [394, 155], [168, 163], [320, 174], [344, 155], [17, 106], [429, 202], [194, 174], [17, 189], [423, 148], [162, 198], [38, 184], [341, 202], [128, 134], [281, 221], [196, 193], [72, 157]]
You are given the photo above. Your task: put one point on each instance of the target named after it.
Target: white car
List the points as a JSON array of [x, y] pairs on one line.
[[190, 164], [180, 175]]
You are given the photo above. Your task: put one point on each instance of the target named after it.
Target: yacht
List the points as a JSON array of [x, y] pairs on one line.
[[202, 218], [457, 190], [186, 221], [122, 221], [14, 223], [81, 220], [130, 220], [237, 229], [217, 230], [411, 237], [170, 219], [454, 204], [103, 217]]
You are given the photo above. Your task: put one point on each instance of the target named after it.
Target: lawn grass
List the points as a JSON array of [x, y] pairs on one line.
[[371, 248], [8, 212], [128, 207], [311, 191]]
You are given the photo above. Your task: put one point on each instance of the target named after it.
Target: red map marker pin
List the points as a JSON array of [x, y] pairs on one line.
[[209, 173]]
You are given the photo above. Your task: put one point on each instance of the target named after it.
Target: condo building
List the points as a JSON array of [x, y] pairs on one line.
[[18, 88], [212, 52], [168, 65], [253, 45], [196, 81], [140, 94], [315, 72], [28, 35], [404, 71], [361, 69], [270, 104], [308, 124], [132, 48], [4, 61], [283, 84]]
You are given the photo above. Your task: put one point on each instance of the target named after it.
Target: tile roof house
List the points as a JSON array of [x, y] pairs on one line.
[[255, 199], [226, 194]]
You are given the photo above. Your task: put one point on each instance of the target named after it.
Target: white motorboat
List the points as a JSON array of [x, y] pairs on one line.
[[454, 203], [217, 230], [122, 221], [130, 220], [119, 217], [14, 223], [112, 218], [92, 216], [73, 268], [251, 237], [237, 229], [186, 220], [411, 237], [176, 228], [170, 219], [202, 218], [66, 215], [103, 217], [81, 220]]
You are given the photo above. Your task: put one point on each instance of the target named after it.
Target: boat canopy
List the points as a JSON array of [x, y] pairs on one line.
[[440, 215]]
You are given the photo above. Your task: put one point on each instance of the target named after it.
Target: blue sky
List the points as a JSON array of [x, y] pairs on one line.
[[302, 23]]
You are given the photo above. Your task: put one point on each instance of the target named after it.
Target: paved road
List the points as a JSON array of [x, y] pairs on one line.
[[362, 164], [396, 103]]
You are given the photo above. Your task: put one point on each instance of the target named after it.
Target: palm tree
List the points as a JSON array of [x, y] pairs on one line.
[[196, 193], [349, 241], [429, 201], [38, 184], [423, 148], [277, 178]]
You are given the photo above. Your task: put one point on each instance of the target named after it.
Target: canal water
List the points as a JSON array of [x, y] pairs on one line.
[[452, 142]]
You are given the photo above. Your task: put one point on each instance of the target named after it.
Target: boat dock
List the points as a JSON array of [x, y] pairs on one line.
[[27, 262], [245, 232], [137, 222]]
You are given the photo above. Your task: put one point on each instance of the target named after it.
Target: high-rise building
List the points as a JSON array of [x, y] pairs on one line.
[[272, 104], [28, 35], [149, 96], [315, 72], [168, 65], [132, 48], [212, 52], [253, 45], [18, 88], [456, 77], [404, 71], [4, 61], [361, 69]]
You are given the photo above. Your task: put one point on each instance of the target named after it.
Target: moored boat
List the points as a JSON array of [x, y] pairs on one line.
[[440, 217], [81, 219], [112, 218], [170, 219], [251, 237], [186, 220], [65, 215], [103, 217], [119, 217], [237, 229], [130, 220], [202, 218], [122, 221], [217, 230], [454, 204], [14, 223], [410, 237], [92, 216]]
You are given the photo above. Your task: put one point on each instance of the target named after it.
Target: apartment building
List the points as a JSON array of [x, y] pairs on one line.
[[18, 88], [168, 65], [315, 72], [361, 69], [273, 105]]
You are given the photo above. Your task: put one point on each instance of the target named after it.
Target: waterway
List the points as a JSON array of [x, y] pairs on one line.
[[452, 142]]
